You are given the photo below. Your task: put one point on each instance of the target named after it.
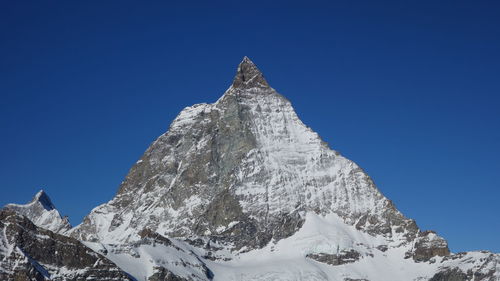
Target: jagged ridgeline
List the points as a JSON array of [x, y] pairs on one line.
[[241, 189]]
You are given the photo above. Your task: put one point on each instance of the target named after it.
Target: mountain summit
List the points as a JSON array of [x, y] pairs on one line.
[[241, 189], [42, 212], [248, 75], [44, 200]]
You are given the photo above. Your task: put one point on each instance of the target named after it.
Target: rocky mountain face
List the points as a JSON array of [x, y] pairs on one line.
[[241, 189], [42, 212], [28, 252], [244, 169]]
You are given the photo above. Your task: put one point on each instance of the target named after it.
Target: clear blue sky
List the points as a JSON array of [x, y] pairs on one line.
[[410, 90]]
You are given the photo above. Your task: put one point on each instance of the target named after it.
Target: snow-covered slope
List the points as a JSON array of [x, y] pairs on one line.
[[155, 257], [379, 259], [42, 213], [325, 248]]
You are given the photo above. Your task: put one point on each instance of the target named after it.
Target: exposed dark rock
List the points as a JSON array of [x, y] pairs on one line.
[[454, 274], [427, 245], [149, 235], [24, 271], [248, 75], [286, 225], [383, 225], [336, 259], [162, 274], [483, 269], [455, 256], [382, 248]]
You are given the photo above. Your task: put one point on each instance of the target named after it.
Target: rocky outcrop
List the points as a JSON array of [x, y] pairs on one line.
[[249, 76], [336, 259], [28, 252], [454, 274], [477, 266], [162, 274], [427, 245]]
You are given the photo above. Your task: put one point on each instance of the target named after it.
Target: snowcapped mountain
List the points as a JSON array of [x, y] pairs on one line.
[[42, 213], [244, 169], [241, 189]]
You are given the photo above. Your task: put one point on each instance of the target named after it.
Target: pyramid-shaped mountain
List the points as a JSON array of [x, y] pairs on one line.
[[241, 189], [245, 170]]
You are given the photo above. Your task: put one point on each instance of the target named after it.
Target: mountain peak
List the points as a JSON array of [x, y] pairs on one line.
[[44, 200], [245, 184], [249, 76], [42, 212]]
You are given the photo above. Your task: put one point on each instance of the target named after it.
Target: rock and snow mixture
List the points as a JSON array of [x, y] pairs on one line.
[[42, 212], [241, 189]]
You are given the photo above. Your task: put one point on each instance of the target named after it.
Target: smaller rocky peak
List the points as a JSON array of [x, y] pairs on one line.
[[42, 212], [249, 76], [42, 198], [28, 252], [428, 245]]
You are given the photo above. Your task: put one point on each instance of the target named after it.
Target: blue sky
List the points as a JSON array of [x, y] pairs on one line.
[[407, 89]]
